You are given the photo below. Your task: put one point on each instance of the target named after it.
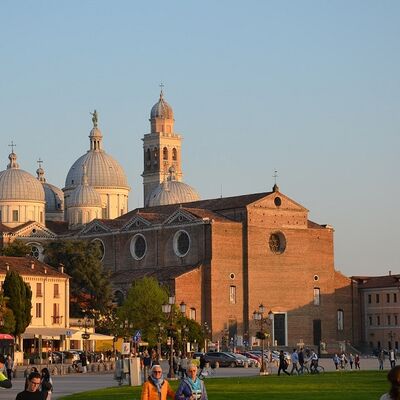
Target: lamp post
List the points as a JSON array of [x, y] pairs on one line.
[[258, 317], [207, 331], [126, 328], [169, 310], [85, 324], [185, 331]]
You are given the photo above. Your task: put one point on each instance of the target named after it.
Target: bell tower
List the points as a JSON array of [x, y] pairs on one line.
[[161, 148]]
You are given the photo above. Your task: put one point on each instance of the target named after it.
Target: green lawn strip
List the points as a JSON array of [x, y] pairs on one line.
[[363, 385]]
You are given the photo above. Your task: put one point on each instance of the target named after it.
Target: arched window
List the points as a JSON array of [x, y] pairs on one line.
[[148, 155], [174, 154], [155, 155], [165, 153]]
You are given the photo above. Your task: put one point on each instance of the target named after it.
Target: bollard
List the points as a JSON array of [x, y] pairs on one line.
[[246, 364]]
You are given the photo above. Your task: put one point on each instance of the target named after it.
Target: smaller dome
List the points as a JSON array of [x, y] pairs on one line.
[[162, 109], [84, 195], [172, 192]]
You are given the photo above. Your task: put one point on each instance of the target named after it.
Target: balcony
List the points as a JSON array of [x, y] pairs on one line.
[[56, 319]]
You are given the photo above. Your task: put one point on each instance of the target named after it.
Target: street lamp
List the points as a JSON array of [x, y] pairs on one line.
[[169, 310], [207, 332], [258, 317], [85, 324]]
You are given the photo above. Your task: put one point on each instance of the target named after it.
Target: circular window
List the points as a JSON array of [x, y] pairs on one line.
[[181, 243], [277, 242], [100, 246], [277, 201], [232, 276], [36, 250], [138, 246], [316, 277]]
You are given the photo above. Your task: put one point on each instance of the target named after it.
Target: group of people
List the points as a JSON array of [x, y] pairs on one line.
[[298, 359], [38, 385], [157, 388], [391, 356], [342, 360]]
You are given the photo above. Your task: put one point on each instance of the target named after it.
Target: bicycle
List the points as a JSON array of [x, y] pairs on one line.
[[207, 372]]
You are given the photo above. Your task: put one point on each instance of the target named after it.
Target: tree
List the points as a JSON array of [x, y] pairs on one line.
[[90, 284], [19, 300], [16, 249], [7, 316], [142, 307]]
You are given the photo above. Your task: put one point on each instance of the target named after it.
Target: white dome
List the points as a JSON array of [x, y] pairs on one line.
[[101, 169], [172, 192], [17, 184]]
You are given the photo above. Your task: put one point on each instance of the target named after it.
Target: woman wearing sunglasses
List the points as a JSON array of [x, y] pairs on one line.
[[156, 387], [191, 388]]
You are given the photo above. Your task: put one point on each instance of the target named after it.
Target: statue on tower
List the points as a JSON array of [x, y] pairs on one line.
[[95, 118]]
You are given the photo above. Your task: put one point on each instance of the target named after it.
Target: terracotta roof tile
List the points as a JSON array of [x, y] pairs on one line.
[[23, 265]]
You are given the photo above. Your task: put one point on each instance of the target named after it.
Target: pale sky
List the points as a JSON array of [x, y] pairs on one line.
[[309, 88]]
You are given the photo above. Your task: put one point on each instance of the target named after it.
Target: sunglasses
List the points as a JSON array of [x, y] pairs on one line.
[[157, 372]]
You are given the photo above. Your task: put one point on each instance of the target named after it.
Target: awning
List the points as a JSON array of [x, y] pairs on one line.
[[46, 333], [6, 336], [93, 336]]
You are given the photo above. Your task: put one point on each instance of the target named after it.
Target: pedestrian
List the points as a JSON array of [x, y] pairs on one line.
[[295, 361], [9, 365], [357, 361], [392, 358], [351, 360], [394, 379], [282, 364], [191, 387], [146, 364], [301, 360], [156, 387], [336, 361], [83, 360], [183, 366], [202, 363], [4, 382], [47, 384], [381, 359], [32, 391]]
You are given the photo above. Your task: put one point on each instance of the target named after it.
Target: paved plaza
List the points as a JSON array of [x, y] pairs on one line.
[[74, 383]]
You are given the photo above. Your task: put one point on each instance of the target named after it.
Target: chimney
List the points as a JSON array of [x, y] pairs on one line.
[[390, 273], [7, 266], [32, 265], [45, 270], [61, 268]]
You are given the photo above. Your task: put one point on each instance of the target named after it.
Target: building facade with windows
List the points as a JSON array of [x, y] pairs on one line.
[[379, 299], [50, 298]]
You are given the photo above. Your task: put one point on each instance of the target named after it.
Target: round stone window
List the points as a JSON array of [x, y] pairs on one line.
[[181, 243], [101, 248], [277, 201], [35, 251], [277, 242], [138, 246]]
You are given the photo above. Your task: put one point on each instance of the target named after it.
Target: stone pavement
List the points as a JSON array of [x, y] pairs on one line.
[[74, 383]]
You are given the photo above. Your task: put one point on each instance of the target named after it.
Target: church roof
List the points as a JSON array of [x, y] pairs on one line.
[[58, 227], [23, 265]]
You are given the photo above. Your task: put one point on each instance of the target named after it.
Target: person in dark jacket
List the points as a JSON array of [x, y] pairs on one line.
[[191, 387], [32, 392], [4, 382], [282, 364]]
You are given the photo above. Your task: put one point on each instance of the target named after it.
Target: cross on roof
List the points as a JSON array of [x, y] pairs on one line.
[[275, 175], [39, 162], [12, 145]]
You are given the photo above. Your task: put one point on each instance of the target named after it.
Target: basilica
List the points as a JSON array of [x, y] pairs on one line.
[[223, 257]]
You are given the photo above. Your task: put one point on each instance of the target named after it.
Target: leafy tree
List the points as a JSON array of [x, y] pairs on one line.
[[19, 300], [16, 249], [142, 308], [7, 316], [90, 284]]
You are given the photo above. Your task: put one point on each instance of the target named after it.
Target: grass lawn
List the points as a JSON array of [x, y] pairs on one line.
[[362, 385]]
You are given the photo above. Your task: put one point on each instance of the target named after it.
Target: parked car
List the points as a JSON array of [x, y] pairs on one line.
[[223, 359], [242, 359]]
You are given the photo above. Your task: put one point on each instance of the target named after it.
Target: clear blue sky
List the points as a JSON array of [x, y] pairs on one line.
[[310, 88]]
